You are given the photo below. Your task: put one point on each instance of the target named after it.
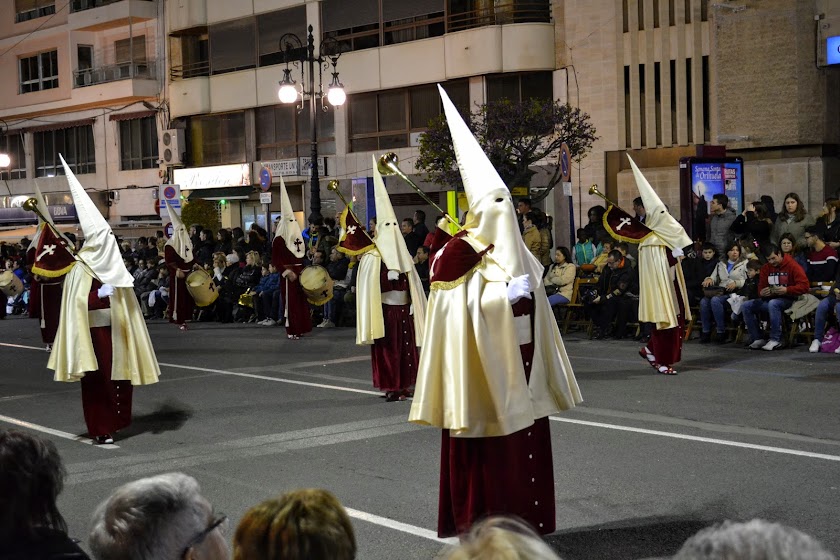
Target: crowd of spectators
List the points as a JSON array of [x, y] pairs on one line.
[[166, 517]]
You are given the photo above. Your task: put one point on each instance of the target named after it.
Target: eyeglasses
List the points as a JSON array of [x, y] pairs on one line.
[[220, 521]]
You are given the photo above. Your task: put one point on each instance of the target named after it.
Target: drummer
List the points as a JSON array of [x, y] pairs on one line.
[[178, 255]]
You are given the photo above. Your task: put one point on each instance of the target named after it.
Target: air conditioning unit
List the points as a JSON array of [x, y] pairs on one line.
[[172, 147]]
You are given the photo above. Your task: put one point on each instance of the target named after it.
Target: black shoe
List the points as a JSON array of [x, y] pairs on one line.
[[705, 337], [720, 338], [104, 440]]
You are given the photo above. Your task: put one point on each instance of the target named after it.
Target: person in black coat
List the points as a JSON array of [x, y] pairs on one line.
[[754, 221], [613, 302]]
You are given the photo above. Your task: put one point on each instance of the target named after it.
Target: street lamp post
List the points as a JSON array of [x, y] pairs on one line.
[[294, 51]]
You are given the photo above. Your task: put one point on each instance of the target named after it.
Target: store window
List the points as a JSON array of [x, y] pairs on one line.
[[75, 144]]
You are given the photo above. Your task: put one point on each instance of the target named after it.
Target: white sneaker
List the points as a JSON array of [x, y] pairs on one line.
[[327, 324], [321, 324], [269, 322], [759, 343], [772, 345], [815, 346]]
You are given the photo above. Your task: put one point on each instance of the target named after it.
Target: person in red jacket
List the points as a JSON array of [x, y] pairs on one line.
[[780, 281]]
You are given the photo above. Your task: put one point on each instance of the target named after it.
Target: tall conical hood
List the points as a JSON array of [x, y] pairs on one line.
[[180, 240], [389, 239], [42, 206], [657, 217], [100, 251], [288, 228], [492, 217]]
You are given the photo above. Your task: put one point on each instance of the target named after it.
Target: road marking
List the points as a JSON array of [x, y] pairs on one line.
[[336, 361], [398, 526], [782, 450], [51, 431], [39, 348], [277, 379]]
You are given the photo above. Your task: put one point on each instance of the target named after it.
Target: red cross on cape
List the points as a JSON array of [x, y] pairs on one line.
[[625, 227]]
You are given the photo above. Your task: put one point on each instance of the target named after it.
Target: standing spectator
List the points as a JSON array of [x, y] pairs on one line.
[[729, 275], [160, 240], [31, 478], [595, 228], [195, 231], [720, 222], [546, 227], [223, 242], [780, 281], [770, 206], [421, 264], [756, 222], [639, 209], [160, 517], [523, 206], [829, 222], [793, 219], [584, 250], [822, 259], [412, 240], [206, 247], [420, 227], [440, 223], [531, 234]]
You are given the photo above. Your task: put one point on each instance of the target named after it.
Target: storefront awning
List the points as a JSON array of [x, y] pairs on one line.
[[15, 235], [222, 193]]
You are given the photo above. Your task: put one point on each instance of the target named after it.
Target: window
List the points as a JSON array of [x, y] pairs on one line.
[[138, 144], [233, 46], [39, 72], [274, 25], [129, 53], [283, 133], [84, 74], [384, 120], [75, 144], [12, 145], [217, 139], [519, 87], [195, 55], [31, 9], [364, 24]]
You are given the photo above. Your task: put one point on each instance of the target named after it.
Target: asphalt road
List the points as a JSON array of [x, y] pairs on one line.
[[643, 464]]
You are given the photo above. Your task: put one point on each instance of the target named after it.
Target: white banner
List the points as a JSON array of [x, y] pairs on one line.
[[195, 178]]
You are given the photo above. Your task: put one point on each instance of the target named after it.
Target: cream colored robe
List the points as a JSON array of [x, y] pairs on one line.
[[370, 325], [471, 378], [657, 295], [72, 356]]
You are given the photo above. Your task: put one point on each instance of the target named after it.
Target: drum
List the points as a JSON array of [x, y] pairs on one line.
[[316, 284], [10, 284], [201, 287]]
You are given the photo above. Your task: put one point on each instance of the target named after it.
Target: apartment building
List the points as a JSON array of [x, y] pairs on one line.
[[82, 79]]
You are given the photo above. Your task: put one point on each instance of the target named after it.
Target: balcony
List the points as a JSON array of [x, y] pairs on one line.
[[501, 14], [142, 70], [191, 70], [99, 15]]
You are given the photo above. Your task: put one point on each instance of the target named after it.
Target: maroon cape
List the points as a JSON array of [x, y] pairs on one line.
[[106, 403], [395, 355], [181, 303], [298, 319]]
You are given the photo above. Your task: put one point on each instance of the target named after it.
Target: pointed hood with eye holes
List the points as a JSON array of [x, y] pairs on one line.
[[288, 229], [389, 239], [492, 217], [100, 251], [664, 225], [180, 240]]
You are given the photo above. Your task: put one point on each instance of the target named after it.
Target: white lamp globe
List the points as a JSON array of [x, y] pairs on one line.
[[5, 160], [287, 93], [336, 96]]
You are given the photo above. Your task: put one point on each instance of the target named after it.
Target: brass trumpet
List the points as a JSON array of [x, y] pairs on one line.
[[332, 186], [31, 205], [388, 164]]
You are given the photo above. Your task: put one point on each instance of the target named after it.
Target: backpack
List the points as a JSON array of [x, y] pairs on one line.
[[831, 341]]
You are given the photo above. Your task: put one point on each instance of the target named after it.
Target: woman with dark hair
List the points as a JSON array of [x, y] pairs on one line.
[[560, 278], [31, 478], [595, 228], [792, 219], [829, 222], [770, 205], [223, 242], [789, 246], [754, 221]]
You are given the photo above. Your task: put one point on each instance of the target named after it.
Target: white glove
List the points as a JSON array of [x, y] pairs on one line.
[[393, 275], [518, 288], [106, 290], [677, 253]]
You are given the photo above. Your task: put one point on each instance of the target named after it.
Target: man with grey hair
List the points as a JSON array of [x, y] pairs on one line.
[[752, 540], [163, 517]]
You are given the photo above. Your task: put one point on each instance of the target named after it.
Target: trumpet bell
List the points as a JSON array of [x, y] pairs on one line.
[[388, 164], [332, 185], [30, 204], [594, 190]]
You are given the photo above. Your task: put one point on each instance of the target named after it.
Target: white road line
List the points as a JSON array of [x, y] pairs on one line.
[[701, 439], [277, 379], [399, 526], [41, 348], [58, 433]]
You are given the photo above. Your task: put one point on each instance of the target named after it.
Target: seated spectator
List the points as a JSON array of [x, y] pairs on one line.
[[729, 275], [613, 302], [204, 251], [780, 281], [697, 267], [822, 259], [600, 261], [752, 540], [225, 279], [624, 248], [154, 302], [156, 518], [750, 248], [342, 292], [827, 305], [790, 247], [560, 278], [301, 525], [31, 478], [584, 251], [264, 295], [500, 538], [337, 269]]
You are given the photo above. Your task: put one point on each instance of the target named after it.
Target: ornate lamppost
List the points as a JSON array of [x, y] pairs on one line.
[[294, 51]]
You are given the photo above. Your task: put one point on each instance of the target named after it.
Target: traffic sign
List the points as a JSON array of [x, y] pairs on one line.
[[565, 163], [168, 230], [172, 193], [265, 198], [265, 179]]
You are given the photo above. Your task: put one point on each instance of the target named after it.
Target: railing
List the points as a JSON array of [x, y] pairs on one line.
[[192, 70], [501, 14], [122, 71], [82, 5]]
